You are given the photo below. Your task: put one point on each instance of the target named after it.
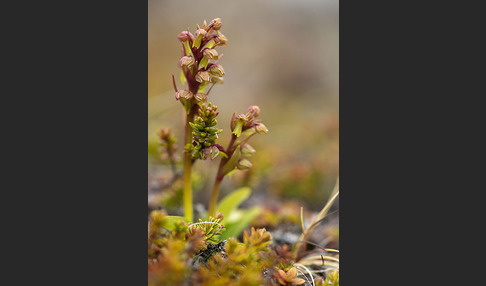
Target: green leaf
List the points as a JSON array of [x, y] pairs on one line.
[[222, 154], [202, 87], [183, 77], [197, 42], [188, 49], [211, 44], [187, 106], [231, 173], [245, 218], [170, 220], [204, 62], [231, 164], [232, 201]]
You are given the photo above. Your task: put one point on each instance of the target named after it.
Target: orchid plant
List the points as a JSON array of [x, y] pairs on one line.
[[200, 70]]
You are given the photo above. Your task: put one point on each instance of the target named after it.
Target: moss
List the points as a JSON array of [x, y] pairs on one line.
[[192, 254]]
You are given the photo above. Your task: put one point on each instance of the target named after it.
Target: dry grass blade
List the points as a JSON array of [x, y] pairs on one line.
[[303, 274], [325, 209], [308, 271], [331, 250], [317, 259], [325, 270], [322, 214], [328, 215], [302, 219]]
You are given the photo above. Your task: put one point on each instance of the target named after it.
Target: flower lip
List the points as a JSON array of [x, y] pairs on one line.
[[216, 70], [187, 61], [202, 76], [210, 54]]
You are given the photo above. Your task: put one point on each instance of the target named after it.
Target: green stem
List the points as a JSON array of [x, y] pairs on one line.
[[193, 87], [219, 177], [214, 195], [187, 192]]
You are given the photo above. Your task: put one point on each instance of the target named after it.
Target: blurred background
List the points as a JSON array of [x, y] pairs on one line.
[[282, 55]]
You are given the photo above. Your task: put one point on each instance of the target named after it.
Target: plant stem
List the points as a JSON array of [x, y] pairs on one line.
[[172, 161], [219, 177], [187, 192], [214, 194]]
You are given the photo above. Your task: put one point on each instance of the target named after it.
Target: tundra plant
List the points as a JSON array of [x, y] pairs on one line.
[[200, 70]]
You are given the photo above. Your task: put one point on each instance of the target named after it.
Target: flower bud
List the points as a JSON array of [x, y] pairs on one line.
[[200, 96], [185, 36], [216, 70], [216, 24], [211, 54], [164, 133], [202, 76], [214, 152], [187, 61], [255, 110], [220, 40], [204, 133], [247, 151], [184, 94], [200, 33], [233, 121], [219, 216], [244, 164], [261, 129]]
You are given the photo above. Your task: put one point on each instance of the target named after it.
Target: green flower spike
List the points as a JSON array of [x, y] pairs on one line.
[[204, 133]]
